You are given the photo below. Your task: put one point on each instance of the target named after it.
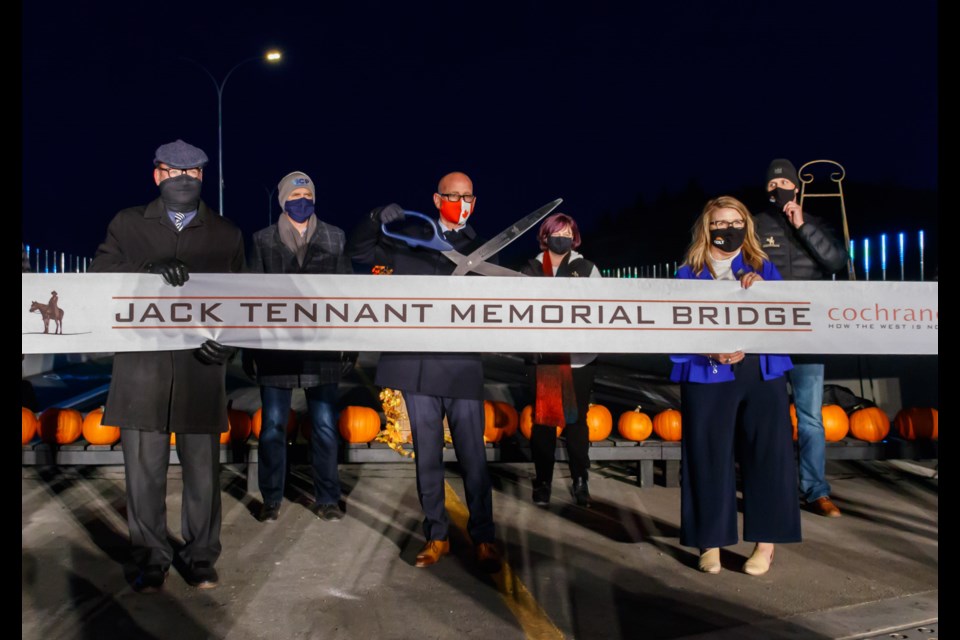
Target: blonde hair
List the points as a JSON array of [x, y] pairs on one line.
[[698, 253]]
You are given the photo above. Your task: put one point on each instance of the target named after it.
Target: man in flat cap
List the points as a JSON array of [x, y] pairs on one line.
[[158, 392], [298, 243], [803, 248]]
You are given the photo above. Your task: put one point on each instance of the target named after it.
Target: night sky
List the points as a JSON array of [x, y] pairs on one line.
[[598, 103]]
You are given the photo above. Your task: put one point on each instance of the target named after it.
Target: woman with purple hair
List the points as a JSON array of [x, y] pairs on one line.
[[562, 380]]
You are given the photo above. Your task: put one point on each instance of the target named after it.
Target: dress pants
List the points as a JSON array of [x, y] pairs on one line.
[[465, 418], [543, 439], [146, 456], [748, 415]]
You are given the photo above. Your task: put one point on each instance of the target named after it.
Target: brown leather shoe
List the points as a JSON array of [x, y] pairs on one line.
[[432, 552], [488, 557], [824, 507]]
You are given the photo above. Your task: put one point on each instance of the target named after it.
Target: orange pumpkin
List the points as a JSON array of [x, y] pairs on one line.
[[870, 424], [917, 423], [634, 425], [507, 418], [491, 432], [836, 424], [599, 422], [60, 426], [257, 420], [793, 420], [359, 424], [28, 425], [526, 422], [667, 425], [240, 426], [95, 432]]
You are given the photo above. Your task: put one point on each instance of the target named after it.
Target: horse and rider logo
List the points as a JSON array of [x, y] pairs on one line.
[[49, 311]]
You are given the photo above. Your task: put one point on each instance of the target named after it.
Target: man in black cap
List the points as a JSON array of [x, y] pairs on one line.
[[802, 248], [155, 393]]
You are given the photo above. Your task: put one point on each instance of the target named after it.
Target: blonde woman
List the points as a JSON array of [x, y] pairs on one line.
[[734, 399]]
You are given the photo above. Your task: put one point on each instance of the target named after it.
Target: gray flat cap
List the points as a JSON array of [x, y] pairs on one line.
[[180, 155]]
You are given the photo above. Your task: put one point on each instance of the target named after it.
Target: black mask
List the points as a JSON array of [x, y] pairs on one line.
[[559, 245], [729, 239], [782, 197], [181, 194]]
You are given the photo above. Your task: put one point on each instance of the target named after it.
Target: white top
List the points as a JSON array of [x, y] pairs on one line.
[[723, 268]]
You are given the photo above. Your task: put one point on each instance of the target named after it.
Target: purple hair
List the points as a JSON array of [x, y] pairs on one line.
[[555, 223]]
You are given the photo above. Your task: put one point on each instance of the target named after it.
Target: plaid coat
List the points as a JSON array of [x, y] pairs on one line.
[[295, 369]]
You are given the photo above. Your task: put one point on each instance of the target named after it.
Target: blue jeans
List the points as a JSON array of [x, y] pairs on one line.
[[807, 383], [323, 442]]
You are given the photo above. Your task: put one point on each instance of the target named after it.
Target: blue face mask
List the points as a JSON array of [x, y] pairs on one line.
[[300, 209]]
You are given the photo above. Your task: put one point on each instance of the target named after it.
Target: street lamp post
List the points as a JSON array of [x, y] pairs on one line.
[[272, 57]]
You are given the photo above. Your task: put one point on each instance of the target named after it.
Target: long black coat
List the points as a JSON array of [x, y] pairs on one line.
[[168, 390], [294, 369], [452, 375]]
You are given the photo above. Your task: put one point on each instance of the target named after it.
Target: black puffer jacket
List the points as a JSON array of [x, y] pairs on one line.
[[808, 253]]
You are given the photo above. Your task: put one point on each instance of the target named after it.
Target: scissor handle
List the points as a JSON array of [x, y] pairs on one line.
[[436, 242]]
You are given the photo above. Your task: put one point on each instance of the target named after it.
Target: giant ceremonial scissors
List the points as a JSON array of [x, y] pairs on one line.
[[477, 260]]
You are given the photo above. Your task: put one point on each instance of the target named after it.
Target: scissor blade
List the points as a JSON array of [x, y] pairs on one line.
[[502, 239]]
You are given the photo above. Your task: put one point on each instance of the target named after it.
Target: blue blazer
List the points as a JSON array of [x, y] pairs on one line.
[[698, 368]]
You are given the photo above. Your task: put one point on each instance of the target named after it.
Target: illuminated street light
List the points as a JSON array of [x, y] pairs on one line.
[[273, 56]]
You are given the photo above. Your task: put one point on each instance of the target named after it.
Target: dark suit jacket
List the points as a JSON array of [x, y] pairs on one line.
[[293, 369], [453, 375], [168, 390]]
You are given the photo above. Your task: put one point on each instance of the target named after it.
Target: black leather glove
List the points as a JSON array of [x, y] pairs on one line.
[[249, 365], [212, 352], [391, 213], [348, 362], [174, 271]]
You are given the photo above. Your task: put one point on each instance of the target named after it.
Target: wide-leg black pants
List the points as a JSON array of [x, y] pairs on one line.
[[750, 417]]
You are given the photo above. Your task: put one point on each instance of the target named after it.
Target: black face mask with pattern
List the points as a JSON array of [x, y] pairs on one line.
[[181, 194], [729, 239]]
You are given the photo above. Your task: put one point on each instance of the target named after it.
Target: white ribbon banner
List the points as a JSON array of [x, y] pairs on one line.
[[138, 312]]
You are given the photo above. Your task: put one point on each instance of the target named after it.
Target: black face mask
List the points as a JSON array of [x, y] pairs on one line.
[[729, 239], [559, 245], [782, 197], [181, 194]]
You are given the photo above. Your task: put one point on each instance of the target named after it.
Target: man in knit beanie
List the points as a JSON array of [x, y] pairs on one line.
[[298, 243]]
